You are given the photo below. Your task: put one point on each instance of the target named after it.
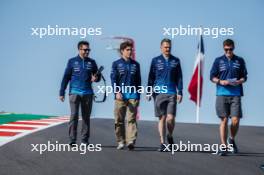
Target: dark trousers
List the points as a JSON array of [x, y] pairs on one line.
[[86, 102]]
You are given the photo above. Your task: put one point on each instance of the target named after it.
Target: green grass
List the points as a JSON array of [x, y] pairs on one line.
[[12, 117]]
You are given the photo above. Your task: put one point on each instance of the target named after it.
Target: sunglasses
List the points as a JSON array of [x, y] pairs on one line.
[[228, 49], [86, 50]]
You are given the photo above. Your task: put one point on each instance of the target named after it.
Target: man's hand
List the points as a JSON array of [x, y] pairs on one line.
[[221, 82], [94, 78], [119, 96], [179, 98], [224, 82], [62, 98], [238, 82]]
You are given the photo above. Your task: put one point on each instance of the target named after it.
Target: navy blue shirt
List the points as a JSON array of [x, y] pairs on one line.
[[229, 69], [126, 73], [79, 73], [166, 72]]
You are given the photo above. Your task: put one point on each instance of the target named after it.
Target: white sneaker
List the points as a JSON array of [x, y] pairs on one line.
[[120, 146]]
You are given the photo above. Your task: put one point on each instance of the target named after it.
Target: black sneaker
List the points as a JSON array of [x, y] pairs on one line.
[[232, 142], [162, 148], [262, 167], [131, 146], [72, 143], [86, 142], [221, 153]]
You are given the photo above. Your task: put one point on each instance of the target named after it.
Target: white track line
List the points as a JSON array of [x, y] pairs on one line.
[[5, 140], [15, 130]]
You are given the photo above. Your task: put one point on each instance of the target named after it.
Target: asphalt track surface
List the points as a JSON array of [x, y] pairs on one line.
[[17, 158]]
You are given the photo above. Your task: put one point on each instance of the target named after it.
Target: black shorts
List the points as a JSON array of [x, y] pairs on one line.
[[165, 104], [228, 106]]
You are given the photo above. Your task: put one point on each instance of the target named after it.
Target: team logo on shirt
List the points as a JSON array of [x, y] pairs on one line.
[[88, 66], [160, 66], [173, 63], [120, 65], [236, 64], [222, 66], [133, 69], [120, 68], [76, 67]]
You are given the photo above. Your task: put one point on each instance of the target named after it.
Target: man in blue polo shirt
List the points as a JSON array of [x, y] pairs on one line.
[[165, 76], [80, 72], [126, 74], [229, 73]]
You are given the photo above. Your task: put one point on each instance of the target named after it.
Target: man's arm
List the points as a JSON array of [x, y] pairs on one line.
[[113, 77], [151, 76], [179, 79], [96, 78], [65, 80], [221, 82], [243, 73], [138, 84], [151, 79], [113, 74], [179, 83], [214, 75]]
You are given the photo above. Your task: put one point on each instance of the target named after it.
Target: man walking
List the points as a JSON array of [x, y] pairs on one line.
[[229, 73], [165, 71], [126, 75], [80, 72]]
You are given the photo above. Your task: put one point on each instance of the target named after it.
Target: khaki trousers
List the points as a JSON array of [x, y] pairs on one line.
[[122, 109]]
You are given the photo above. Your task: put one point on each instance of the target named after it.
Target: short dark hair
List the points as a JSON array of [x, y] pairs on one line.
[[228, 42], [124, 45], [81, 43], [165, 40]]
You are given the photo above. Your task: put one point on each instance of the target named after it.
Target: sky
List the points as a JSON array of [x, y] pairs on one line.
[[32, 67]]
